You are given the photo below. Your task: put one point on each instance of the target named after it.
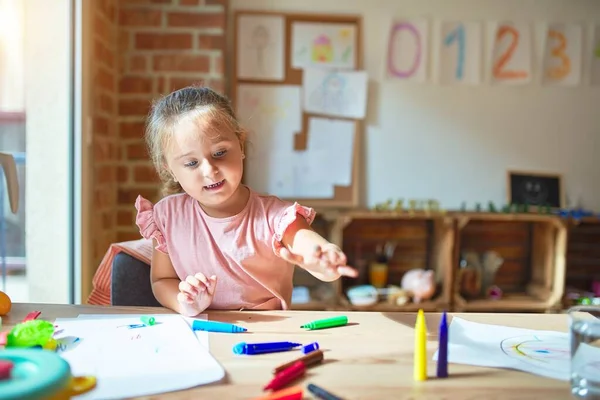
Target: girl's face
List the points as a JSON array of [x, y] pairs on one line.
[[206, 158]]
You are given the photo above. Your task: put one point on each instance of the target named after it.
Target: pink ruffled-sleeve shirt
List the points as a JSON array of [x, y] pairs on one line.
[[242, 250]]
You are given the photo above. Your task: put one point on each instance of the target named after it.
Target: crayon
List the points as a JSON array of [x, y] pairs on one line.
[[442, 364], [312, 358], [291, 393], [310, 347], [420, 356], [147, 320], [321, 393], [261, 348], [286, 376], [215, 326], [326, 323]]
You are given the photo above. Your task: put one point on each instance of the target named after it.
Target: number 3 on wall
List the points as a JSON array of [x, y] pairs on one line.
[[564, 69], [499, 70]]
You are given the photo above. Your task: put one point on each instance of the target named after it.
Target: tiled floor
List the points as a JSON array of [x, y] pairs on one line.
[[16, 288]]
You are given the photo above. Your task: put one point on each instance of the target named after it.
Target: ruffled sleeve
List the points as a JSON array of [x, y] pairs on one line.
[[146, 222], [284, 220]]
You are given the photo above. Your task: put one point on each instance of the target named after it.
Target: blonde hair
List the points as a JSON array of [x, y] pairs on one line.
[[168, 110]]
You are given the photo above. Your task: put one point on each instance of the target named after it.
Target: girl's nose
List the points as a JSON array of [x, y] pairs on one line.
[[208, 169]]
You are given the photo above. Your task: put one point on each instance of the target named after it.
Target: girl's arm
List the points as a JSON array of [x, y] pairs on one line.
[[305, 246], [165, 284]]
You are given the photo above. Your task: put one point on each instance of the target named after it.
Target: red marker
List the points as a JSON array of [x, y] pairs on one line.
[[291, 393], [5, 369], [286, 376]]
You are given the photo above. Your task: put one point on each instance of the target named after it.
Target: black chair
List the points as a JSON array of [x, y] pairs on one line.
[[130, 282]]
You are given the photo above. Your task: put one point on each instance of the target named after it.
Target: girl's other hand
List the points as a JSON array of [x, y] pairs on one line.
[[196, 292], [329, 258]]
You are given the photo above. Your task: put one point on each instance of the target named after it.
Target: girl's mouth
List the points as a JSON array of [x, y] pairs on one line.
[[214, 186]]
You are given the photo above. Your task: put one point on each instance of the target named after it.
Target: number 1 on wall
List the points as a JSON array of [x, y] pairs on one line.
[[458, 35]]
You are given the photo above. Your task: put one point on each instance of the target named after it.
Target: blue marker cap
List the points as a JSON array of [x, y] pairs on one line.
[[310, 347]]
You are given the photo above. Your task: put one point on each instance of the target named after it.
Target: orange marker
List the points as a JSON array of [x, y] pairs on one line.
[[420, 358], [291, 393]]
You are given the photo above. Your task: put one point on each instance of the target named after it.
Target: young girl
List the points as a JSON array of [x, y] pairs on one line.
[[217, 243]]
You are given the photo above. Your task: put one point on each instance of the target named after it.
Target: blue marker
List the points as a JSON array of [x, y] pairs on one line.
[[261, 348], [442, 364], [215, 326]]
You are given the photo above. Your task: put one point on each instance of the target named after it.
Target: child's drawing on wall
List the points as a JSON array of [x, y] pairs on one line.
[[323, 44]]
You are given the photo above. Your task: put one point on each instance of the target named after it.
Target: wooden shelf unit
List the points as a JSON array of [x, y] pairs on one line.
[[583, 253], [533, 247], [424, 240]]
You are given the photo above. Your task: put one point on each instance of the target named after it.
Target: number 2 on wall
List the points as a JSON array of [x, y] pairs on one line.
[[499, 70], [564, 69], [458, 35]]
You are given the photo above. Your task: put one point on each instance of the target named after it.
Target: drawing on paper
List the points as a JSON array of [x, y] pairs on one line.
[[260, 47], [542, 351], [260, 42], [330, 45], [333, 95]]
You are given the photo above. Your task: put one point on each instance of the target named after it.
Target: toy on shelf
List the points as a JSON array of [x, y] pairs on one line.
[[428, 206], [477, 273], [5, 303], [420, 283], [378, 270]]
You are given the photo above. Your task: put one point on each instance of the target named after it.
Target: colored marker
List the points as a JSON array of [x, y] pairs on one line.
[[310, 359], [286, 376], [5, 369], [420, 356], [442, 364], [321, 393], [216, 326], [310, 347], [147, 320], [326, 323], [261, 348], [291, 393]]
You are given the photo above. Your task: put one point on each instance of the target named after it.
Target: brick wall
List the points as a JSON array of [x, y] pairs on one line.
[[104, 126], [163, 45]]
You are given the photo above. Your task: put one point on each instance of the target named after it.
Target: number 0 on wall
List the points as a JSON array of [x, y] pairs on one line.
[[407, 50]]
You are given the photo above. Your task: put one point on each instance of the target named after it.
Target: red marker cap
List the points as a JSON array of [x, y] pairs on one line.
[[286, 376], [291, 393], [5, 369]]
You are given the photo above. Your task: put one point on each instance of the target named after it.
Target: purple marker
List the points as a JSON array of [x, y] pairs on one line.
[[442, 363]]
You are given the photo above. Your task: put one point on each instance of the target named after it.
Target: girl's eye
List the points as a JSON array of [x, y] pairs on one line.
[[220, 153], [191, 164]]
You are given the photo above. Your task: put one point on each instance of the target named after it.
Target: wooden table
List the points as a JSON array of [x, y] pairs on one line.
[[372, 358]]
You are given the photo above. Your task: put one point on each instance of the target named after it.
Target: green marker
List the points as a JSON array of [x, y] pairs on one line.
[[148, 320], [326, 323]]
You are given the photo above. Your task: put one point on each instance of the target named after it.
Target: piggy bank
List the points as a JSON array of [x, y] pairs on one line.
[[420, 283]]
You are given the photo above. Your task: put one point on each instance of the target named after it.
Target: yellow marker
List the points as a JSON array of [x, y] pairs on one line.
[[420, 361]]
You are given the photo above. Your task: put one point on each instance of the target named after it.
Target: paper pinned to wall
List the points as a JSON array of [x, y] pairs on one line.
[[327, 45], [133, 361], [261, 47], [562, 54], [408, 47], [460, 53], [336, 137], [335, 93], [512, 53], [595, 70], [545, 353]]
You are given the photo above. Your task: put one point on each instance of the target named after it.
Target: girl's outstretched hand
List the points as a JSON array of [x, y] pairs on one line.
[[196, 293], [329, 258]]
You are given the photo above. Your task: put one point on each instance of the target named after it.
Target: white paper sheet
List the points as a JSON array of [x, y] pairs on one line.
[[336, 138], [261, 47], [139, 361], [328, 45], [335, 93], [545, 353], [407, 50], [562, 54], [595, 58], [512, 53], [460, 53]]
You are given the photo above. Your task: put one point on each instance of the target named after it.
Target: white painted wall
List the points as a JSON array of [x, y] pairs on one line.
[[456, 143], [47, 60]]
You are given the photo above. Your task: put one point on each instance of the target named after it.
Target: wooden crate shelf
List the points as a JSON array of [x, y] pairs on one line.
[[423, 240], [532, 247], [583, 256]]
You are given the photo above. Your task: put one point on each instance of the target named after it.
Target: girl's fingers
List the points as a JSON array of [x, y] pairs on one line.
[[186, 287], [184, 298], [347, 271], [193, 281], [212, 284], [202, 279]]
